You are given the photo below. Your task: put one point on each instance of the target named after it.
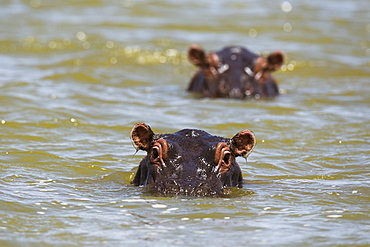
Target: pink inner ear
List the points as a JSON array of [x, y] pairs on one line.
[[275, 59], [142, 136], [244, 142], [197, 56]]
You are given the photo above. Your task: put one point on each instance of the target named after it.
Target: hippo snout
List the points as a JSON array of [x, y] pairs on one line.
[[236, 93], [179, 187]]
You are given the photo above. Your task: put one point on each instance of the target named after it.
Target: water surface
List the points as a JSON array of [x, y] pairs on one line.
[[75, 76]]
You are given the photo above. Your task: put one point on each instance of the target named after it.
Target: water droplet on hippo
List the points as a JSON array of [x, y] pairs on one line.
[[194, 133]]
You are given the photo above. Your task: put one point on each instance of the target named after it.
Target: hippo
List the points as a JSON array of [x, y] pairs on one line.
[[190, 162], [234, 72]]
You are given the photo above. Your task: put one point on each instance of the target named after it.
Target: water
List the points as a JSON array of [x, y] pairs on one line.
[[75, 76]]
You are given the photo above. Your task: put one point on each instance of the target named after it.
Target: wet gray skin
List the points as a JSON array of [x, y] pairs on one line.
[[189, 162]]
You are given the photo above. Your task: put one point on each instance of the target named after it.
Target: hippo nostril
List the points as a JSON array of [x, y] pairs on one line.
[[172, 184], [167, 187], [202, 189], [236, 93]]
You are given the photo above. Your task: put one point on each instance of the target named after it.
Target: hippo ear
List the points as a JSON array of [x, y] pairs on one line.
[[275, 60], [243, 143], [142, 136], [197, 56]]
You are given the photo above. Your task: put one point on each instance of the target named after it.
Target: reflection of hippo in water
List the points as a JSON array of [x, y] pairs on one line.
[[234, 72], [190, 161]]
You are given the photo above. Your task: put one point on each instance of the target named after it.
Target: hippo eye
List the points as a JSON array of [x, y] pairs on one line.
[[155, 152], [227, 157]]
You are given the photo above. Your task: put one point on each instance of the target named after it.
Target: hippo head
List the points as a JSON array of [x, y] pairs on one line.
[[190, 161], [234, 72]]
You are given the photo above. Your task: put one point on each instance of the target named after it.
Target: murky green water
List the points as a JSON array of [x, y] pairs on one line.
[[76, 75]]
